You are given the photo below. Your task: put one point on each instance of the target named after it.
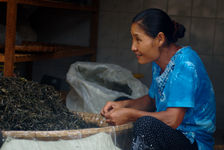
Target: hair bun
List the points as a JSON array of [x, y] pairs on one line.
[[179, 30]]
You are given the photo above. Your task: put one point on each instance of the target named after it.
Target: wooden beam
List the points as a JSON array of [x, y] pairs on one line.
[[46, 47], [10, 37], [58, 54], [57, 4], [2, 58]]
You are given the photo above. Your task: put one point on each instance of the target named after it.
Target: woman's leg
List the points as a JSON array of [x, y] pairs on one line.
[[152, 134]]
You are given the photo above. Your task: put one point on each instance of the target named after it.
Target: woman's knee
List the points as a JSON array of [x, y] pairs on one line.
[[145, 123], [146, 120]]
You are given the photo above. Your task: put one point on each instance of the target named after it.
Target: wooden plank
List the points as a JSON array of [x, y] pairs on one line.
[[58, 54], [10, 37], [57, 4], [2, 58], [78, 51], [44, 47]]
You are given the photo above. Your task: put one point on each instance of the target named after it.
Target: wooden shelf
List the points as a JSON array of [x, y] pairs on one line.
[[44, 47], [38, 51], [41, 56], [56, 4], [34, 52]]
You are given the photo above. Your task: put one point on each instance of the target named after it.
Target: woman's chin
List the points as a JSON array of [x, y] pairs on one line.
[[143, 61]]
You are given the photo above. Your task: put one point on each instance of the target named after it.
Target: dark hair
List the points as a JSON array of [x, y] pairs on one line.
[[154, 20]]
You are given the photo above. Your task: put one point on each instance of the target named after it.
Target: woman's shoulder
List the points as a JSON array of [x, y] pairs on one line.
[[189, 60], [186, 55], [187, 51]]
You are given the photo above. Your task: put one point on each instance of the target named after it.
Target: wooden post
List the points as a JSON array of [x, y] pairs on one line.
[[94, 29], [10, 37]]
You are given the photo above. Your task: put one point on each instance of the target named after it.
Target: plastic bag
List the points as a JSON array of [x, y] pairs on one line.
[[100, 141], [93, 84]]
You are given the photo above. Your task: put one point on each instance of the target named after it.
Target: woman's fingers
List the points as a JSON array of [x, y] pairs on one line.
[[107, 115], [102, 112], [109, 121], [107, 108]]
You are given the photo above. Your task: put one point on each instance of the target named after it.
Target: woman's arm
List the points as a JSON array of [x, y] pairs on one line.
[[173, 116], [144, 103]]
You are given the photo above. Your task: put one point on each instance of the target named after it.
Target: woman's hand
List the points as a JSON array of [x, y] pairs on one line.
[[118, 116], [110, 106]]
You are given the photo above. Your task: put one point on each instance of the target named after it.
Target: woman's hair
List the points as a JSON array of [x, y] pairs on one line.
[[154, 20]]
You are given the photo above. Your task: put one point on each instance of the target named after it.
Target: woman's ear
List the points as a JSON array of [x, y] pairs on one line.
[[161, 38]]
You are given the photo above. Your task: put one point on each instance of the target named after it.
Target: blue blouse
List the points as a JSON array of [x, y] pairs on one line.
[[185, 83]]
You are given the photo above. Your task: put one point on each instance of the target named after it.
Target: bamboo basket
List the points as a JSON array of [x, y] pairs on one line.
[[119, 131]]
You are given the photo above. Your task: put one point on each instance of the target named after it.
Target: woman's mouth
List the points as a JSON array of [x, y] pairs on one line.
[[138, 55]]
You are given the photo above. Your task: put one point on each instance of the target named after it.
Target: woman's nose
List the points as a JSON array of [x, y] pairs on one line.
[[133, 47]]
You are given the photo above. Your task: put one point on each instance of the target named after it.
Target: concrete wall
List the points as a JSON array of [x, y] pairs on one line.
[[203, 19]]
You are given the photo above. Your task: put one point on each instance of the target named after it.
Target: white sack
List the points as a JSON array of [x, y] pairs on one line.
[[100, 141], [93, 84]]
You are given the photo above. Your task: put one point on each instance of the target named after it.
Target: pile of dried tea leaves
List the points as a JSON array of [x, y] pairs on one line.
[[28, 105]]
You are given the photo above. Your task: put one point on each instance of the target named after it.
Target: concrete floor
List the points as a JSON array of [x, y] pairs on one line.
[[219, 140]]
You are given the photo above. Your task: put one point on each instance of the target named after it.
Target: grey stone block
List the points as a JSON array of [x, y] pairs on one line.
[[202, 35], [179, 7], [108, 5], [146, 70], [204, 8], [207, 61], [107, 55], [220, 8], [219, 36], [121, 57], [219, 117], [217, 73], [127, 59], [108, 30], [219, 109], [161, 4], [129, 5], [124, 34]]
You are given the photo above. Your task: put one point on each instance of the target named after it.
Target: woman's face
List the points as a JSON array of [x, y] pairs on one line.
[[145, 47]]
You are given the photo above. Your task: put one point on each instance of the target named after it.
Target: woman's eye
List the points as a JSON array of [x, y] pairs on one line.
[[138, 40]]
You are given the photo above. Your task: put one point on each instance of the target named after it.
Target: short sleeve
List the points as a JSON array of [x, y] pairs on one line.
[[152, 90], [153, 84], [182, 86]]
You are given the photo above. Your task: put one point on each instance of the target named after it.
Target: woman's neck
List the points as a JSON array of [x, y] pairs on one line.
[[166, 53]]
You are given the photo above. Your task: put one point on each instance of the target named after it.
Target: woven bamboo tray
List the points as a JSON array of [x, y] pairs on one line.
[[72, 134]]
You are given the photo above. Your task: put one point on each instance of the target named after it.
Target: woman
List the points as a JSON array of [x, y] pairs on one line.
[[181, 92]]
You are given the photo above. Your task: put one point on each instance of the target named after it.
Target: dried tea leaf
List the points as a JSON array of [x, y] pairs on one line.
[[28, 105]]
